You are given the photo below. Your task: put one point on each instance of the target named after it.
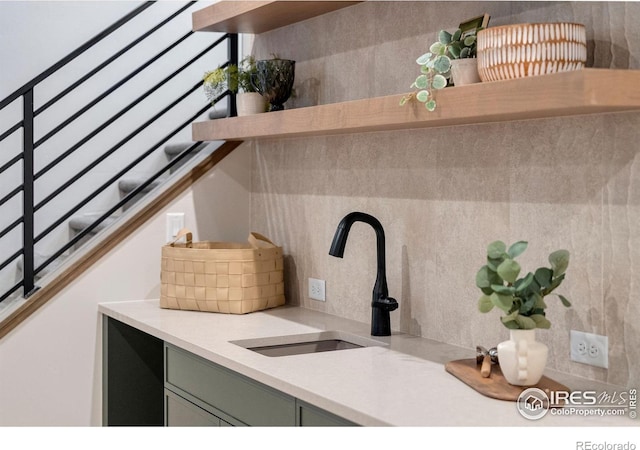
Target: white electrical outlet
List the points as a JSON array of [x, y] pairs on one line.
[[175, 221], [316, 289], [588, 348]]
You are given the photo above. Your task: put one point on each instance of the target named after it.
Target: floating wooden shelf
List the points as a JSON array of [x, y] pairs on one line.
[[233, 16], [564, 94]]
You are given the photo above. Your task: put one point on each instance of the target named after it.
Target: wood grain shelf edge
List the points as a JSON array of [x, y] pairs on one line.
[[232, 16], [570, 93]]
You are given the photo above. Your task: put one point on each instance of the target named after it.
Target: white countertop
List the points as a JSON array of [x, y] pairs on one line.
[[401, 384]]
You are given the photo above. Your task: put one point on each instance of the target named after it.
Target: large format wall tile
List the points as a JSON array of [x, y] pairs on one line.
[[620, 308], [444, 194]]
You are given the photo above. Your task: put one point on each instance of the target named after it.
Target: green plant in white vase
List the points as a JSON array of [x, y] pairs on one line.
[[435, 65], [235, 78], [520, 299]]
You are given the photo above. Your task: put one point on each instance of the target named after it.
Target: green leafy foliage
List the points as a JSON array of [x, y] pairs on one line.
[[435, 65], [509, 270], [559, 261], [496, 250], [442, 64], [231, 77], [421, 82], [520, 299], [485, 304], [422, 96], [504, 302], [517, 249]]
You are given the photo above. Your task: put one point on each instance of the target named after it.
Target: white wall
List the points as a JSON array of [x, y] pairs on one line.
[[50, 367], [36, 34]]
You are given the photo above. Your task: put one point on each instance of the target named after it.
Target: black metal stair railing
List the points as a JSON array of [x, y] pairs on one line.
[[29, 145]]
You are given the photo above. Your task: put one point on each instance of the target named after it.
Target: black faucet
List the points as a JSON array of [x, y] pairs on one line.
[[381, 304]]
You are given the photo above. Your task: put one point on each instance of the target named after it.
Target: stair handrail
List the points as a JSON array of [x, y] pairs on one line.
[[73, 55], [29, 271]]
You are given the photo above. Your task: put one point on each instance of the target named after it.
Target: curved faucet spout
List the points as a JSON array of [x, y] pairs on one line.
[[381, 303], [340, 241]]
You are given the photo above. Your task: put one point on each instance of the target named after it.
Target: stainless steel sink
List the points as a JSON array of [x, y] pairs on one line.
[[325, 341]]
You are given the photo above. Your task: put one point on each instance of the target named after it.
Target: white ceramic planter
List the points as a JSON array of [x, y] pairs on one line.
[[522, 358], [464, 71], [248, 103], [528, 49]]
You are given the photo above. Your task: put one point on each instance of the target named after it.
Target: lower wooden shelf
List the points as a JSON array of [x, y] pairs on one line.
[[585, 91]]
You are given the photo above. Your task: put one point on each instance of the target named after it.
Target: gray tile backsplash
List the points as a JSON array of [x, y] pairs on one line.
[[444, 194]]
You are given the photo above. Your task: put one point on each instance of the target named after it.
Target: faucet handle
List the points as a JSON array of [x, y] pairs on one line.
[[387, 303]]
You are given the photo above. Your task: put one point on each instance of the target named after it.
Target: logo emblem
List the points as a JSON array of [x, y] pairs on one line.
[[533, 404]]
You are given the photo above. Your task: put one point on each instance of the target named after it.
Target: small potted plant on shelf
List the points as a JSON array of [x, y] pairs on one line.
[[236, 79], [522, 302], [450, 60]]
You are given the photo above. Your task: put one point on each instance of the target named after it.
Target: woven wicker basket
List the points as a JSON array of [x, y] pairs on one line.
[[222, 277]]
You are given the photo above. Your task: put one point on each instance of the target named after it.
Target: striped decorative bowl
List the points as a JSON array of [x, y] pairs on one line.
[[529, 49]]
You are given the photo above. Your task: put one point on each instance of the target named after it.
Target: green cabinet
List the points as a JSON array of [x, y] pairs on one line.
[[150, 382], [220, 390], [180, 412], [312, 416], [225, 394]]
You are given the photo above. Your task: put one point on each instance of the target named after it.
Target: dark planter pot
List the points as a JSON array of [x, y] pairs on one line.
[[274, 80]]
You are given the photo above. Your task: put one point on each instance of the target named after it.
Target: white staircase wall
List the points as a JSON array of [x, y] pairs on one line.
[[50, 365]]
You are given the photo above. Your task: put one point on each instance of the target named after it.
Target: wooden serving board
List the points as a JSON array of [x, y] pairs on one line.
[[495, 386]]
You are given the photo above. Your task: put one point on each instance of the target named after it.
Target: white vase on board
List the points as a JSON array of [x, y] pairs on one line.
[[522, 358]]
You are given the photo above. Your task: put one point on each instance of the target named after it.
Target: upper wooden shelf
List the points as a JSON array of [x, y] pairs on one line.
[[564, 94], [233, 16]]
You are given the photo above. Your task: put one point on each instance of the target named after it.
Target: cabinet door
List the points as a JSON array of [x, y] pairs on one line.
[[182, 413], [235, 395], [312, 416]]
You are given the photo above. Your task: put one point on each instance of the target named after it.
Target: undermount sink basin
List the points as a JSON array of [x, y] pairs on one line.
[[325, 341]]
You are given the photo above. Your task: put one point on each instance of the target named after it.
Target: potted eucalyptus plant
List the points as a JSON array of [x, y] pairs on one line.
[[521, 300], [236, 79], [450, 60]]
